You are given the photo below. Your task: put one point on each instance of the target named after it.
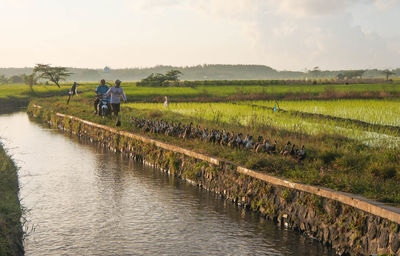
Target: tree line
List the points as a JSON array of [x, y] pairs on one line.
[[171, 79], [203, 72], [351, 74], [199, 72], [41, 72]]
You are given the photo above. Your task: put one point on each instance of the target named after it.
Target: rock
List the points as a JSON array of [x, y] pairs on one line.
[[334, 234], [384, 239], [302, 226], [373, 246], [364, 244], [326, 234], [372, 231], [394, 242]]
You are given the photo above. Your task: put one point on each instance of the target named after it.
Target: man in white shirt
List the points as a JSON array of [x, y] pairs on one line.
[[116, 92]]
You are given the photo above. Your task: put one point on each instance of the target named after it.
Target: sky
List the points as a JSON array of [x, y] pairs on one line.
[[282, 34]]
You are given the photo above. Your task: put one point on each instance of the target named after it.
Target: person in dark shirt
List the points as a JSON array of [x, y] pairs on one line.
[[73, 91], [100, 91]]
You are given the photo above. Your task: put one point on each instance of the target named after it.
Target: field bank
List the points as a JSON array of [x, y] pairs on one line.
[[11, 234]]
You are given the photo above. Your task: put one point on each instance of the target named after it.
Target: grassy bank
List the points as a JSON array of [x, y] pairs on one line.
[[15, 96], [10, 210], [19, 94], [332, 160]]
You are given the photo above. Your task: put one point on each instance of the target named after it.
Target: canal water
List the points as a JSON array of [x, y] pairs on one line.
[[83, 200]]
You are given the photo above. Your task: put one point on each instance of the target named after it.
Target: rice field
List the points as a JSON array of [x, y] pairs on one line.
[[143, 94], [254, 117], [382, 112], [280, 91]]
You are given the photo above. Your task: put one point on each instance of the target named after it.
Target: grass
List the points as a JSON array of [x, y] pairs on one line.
[[10, 210], [254, 116], [380, 112], [22, 93], [333, 160], [234, 92]]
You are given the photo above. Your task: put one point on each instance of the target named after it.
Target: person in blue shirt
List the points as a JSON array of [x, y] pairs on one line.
[[101, 90]]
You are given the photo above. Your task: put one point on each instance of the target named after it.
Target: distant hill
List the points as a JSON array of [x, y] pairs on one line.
[[200, 72]]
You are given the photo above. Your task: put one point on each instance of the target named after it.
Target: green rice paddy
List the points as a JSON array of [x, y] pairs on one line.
[[252, 116], [382, 112]]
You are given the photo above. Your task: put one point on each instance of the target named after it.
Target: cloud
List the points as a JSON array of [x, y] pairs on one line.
[[303, 8], [385, 4], [16, 3], [286, 34], [233, 9], [328, 42], [151, 5], [305, 33]]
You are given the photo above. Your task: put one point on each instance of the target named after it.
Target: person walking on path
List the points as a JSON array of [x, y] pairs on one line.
[[73, 91], [102, 89], [116, 92]]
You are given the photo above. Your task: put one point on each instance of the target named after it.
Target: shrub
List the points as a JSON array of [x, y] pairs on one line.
[[352, 161], [384, 171], [328, 156]]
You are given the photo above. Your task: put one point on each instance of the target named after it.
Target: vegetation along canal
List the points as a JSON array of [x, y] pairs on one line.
[[84, 200]]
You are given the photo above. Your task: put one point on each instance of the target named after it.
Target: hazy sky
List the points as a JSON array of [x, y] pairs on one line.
[[283, 34]]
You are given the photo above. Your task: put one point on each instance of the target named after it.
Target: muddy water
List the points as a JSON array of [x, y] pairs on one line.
[[83, 200]]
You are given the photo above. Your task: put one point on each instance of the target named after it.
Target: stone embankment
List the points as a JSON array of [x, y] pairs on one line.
[[350, 224]]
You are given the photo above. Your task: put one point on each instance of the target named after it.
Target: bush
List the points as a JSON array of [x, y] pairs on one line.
[[155, 80], [386, 171], [352, 161], [328, 156]]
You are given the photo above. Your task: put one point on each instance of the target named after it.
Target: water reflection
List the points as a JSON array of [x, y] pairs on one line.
[[87, 201]]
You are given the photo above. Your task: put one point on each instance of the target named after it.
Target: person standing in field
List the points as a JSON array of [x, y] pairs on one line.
[[116, 92], [73, 91]]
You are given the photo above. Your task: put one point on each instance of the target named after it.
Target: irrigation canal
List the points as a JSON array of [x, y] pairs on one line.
[[84, 200]]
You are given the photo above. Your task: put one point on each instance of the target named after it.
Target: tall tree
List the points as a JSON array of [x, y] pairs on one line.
[[340, 76], [53, 74], [173, 75], [30, 80], [158, 79], [354, 73], [388, 73], [3, 79], [16, 79], [315, 72]]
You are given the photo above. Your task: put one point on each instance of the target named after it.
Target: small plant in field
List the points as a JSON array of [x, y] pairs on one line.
[[286, 195]]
